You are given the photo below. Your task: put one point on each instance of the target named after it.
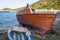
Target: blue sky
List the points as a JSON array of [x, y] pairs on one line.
[[15, 3]]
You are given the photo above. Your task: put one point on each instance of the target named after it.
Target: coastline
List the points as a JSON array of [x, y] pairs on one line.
[[9, 10]]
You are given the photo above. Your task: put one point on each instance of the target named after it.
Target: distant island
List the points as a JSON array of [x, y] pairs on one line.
[[6, 9], [9, 9]]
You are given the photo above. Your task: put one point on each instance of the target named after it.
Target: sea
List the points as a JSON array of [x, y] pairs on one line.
[[8, 18]]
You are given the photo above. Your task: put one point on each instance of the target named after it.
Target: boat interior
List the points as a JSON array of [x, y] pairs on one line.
[[33, 11]]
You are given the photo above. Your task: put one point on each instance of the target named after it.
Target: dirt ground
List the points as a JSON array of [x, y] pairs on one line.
[[3, 36], [49, 36]]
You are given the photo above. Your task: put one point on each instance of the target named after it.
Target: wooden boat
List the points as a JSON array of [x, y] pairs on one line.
[[42, 21]]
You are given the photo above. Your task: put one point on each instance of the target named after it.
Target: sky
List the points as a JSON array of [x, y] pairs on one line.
[[15, 3]]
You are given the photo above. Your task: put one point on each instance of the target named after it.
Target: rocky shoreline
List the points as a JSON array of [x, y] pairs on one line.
[[51, 36]]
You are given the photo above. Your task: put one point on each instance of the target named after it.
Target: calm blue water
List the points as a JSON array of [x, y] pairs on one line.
[[8, 18], [58, 15]]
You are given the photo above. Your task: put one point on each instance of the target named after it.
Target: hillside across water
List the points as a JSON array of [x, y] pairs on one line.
[[46, 4]]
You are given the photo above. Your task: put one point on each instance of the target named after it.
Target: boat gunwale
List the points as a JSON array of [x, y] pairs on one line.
[[36, 14]]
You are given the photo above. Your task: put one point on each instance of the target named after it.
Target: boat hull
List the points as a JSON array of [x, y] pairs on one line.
[[41, 22]]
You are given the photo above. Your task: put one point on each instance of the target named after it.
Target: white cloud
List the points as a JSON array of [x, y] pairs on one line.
[[14, 3]]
